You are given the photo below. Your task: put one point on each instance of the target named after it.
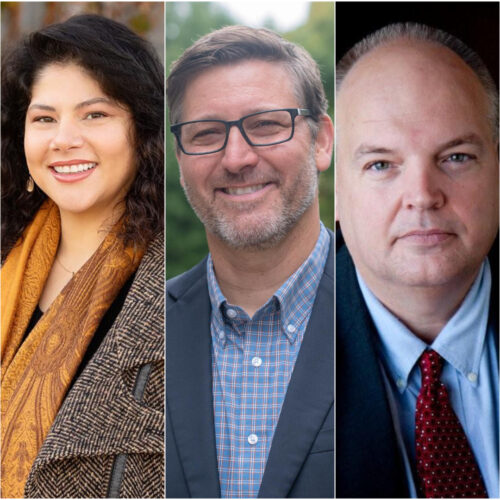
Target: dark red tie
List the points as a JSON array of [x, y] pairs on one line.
[[446, 467]]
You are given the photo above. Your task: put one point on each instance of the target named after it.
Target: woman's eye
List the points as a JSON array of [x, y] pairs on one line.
[[94, 115], [379, 166], [43, 119]]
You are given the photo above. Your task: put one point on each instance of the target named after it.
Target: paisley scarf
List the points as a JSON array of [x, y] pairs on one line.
[[37, 372]]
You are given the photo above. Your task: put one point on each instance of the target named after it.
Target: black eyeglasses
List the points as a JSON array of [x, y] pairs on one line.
[[265, 128]]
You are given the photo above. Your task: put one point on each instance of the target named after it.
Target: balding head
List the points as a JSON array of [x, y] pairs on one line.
[[398, 34], [420, 82]]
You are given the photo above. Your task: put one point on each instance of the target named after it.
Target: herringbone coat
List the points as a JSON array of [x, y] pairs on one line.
[[108, 437]]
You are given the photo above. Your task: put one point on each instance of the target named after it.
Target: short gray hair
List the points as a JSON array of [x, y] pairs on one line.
[[234, 44], [421, 32]]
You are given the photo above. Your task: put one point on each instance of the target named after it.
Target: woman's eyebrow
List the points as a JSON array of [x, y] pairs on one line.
[[43, 107], [95, 100], [88, 102]]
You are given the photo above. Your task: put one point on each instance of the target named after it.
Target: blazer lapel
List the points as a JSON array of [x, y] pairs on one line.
[[189, 389], [309, 396], [366, 441]]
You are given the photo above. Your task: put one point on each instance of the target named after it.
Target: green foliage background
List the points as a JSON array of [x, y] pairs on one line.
[[185, 23]]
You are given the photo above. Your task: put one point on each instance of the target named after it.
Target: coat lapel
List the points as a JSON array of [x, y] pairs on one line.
[[365, 439], [189, 386], [309, 396], [100, 415]]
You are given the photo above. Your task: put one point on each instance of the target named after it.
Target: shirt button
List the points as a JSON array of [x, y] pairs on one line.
[[253, 439], [400, 383], [472, 376], [256, 361], [231, 313], [221, 335], [291, 328]]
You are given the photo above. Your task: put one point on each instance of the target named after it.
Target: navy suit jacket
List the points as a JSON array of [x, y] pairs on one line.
[[369, 463], [300, 461]]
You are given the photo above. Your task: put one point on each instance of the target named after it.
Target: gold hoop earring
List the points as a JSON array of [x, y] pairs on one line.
[[30, 184]]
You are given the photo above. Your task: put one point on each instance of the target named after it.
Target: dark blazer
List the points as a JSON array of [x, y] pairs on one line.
[[368, 460], [108, 437], [300, 462]]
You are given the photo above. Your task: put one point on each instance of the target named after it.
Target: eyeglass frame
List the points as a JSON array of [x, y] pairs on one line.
[[294, 112]]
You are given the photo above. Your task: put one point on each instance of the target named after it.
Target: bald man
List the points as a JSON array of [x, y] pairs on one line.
[[417, 314]]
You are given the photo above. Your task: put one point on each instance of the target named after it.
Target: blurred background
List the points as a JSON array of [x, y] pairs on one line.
[[21, 18], [309, 24]]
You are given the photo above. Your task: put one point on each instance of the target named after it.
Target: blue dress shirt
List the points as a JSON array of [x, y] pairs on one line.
[[470, 373], [252, 362]]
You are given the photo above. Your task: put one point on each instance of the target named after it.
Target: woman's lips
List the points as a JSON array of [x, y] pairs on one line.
[[72, 171]]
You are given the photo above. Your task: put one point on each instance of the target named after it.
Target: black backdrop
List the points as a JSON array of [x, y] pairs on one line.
[[475, 23]]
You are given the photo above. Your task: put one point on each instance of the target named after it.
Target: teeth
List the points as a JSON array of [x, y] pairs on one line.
[[244, 190], [73, 169]]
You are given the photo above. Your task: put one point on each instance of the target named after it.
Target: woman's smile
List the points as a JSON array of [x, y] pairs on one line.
[[78, 142]]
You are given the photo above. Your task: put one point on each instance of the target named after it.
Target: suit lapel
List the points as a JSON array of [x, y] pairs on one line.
[[189, 388], [309, 396], [366, 441], [493, 316]]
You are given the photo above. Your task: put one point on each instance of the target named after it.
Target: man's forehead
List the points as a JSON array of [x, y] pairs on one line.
[[398, 57], [252, 84], [402, 54], [409, 81]]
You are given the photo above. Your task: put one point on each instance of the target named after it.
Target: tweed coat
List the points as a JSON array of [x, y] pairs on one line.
[[108, 437]]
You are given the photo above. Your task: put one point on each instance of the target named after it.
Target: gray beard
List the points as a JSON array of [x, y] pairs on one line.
[[274, 226]]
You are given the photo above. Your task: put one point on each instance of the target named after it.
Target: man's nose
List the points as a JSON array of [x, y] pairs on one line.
[[238, 154], [67, 135], [423, 186]]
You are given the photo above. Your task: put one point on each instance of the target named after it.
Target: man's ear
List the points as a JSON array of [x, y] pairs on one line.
[[178, 157], [323, 147]]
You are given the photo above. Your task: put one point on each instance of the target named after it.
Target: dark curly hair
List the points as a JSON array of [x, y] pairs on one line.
[[129, 71]]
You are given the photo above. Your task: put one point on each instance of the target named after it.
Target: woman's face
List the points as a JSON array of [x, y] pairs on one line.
[[78, 142]]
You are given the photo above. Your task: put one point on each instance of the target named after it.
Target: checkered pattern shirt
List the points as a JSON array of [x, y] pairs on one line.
[[252, 362]]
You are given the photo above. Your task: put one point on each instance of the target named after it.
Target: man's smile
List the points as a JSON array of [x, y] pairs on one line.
[[243, 190]]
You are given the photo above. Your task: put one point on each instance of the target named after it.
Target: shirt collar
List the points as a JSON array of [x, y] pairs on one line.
[[460, 342], [297, 294], [294, 297]]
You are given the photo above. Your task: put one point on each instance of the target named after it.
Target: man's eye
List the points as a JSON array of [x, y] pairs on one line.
[[459, 157], [205, 132], [379, 166], [267, 123]]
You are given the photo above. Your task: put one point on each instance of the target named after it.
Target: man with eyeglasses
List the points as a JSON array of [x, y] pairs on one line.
[[250, 329]]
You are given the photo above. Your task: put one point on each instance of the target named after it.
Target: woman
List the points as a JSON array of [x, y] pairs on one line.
[[83, 263]]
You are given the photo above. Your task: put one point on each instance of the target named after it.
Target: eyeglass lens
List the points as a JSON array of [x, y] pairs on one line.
[[261, 129]]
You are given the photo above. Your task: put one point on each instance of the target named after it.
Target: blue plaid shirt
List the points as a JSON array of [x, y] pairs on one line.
[[252, 362]]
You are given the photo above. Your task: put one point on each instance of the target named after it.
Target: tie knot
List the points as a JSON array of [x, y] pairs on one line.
[[431, 364]]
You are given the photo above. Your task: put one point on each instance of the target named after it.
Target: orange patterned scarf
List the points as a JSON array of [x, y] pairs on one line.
[[36, 373]]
